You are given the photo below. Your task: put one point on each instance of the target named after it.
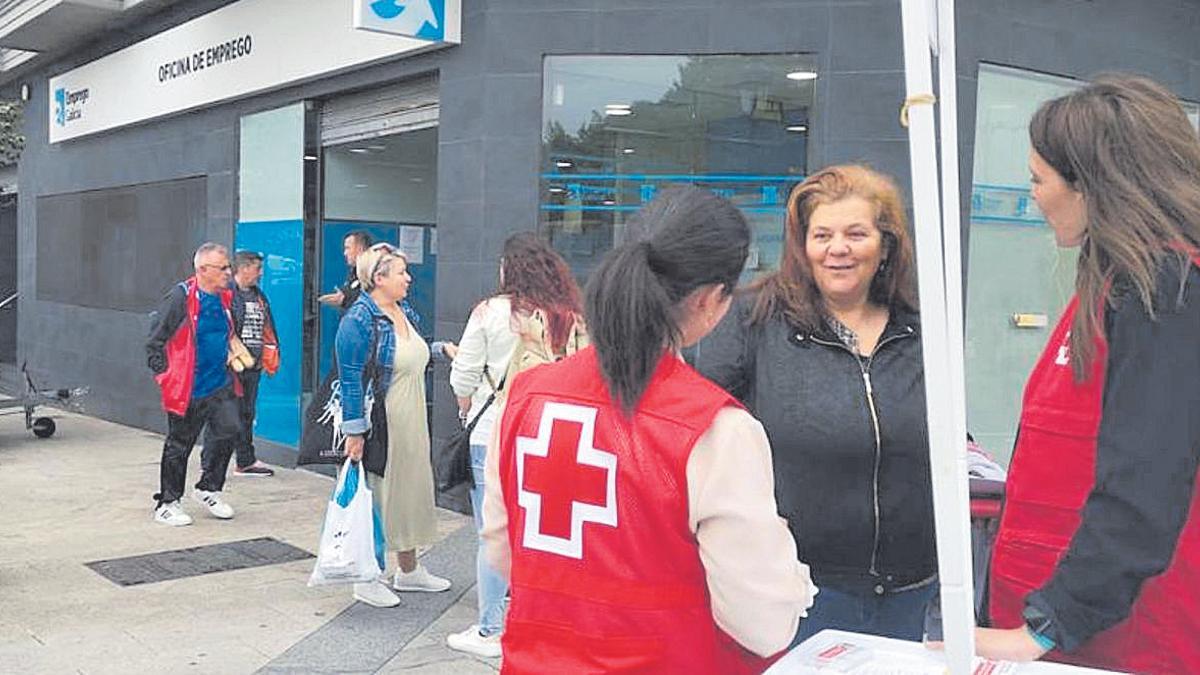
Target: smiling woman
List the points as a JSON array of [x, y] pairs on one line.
[[826, 353], [845, 250]]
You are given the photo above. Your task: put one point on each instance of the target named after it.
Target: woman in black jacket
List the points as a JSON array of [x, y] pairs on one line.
[[826, 353]]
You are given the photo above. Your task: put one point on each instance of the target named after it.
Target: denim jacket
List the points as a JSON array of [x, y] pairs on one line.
[[351, 346]]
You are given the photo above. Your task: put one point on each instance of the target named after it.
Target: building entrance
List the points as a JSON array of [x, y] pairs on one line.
[[386, 187]]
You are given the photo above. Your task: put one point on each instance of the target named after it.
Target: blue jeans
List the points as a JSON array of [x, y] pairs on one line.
[[896, 615], [491, 587]]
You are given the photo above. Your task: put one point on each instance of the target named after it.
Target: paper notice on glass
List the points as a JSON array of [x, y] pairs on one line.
[[412, 244]]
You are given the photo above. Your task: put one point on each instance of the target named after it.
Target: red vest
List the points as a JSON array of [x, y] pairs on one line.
[[606, 574], [1051, 474]]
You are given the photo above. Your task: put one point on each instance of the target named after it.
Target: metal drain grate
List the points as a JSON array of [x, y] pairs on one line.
[[193, 562]]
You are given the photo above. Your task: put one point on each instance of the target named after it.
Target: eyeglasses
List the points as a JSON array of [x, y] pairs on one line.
[[223, 268]]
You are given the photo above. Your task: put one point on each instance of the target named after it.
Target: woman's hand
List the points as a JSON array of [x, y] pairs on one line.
[[451, 350], [1014, 644], [464, 409], [354, 447]]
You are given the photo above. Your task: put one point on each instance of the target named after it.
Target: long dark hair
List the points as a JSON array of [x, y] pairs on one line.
[[791, 292], [1127, 146], [536, 277], [684, 239]]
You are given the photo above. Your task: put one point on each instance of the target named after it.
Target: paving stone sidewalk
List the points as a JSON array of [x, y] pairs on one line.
[[84, 495]]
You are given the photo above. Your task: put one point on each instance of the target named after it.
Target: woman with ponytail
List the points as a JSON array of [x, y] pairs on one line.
[[631, 501]]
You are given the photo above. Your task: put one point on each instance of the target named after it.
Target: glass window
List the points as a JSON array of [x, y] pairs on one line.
[[616, 129], [1014, 267]]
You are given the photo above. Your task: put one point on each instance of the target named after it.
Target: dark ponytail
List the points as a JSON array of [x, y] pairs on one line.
[[684, 239]]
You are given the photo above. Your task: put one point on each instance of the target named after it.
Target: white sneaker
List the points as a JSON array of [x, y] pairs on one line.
[[471, 642], [375, 594], [172, 513], [419, 580], [215, 504]]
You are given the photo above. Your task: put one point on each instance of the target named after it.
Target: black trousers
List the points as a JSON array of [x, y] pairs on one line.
[[243, 441], [220, 412]]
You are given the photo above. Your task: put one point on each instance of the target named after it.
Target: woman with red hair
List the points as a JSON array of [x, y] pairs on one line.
[[826, 352], [534, 316]]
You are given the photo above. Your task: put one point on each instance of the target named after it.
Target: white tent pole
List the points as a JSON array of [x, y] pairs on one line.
[[951, 221], [943, 411], [952, 483]]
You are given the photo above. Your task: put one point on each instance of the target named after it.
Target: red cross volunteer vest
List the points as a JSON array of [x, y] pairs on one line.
[[1051, 474], [606, 573]]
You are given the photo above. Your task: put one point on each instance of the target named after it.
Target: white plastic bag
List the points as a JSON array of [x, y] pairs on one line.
[[347, 553]]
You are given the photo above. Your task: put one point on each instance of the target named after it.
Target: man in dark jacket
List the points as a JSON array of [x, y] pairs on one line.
[[188, 351], [343, 296], [252, 323]]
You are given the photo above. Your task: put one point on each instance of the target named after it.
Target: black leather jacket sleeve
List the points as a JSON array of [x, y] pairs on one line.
[[171, 312], [1147, 455]]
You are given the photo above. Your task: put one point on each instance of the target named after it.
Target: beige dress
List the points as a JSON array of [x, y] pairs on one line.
[[404, 495]]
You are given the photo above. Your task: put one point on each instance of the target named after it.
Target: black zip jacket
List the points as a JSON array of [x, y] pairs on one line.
[[861, 513], [164, 321]]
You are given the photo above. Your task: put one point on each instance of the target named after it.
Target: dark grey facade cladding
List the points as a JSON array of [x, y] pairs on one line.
[[490, 127]]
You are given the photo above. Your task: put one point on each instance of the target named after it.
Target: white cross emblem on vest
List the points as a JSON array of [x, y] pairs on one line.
[[1064, 351], [582, 485]]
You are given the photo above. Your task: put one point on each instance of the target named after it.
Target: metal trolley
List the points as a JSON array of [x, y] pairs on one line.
[[32, 396]]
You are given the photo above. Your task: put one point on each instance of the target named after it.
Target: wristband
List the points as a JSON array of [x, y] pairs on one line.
[[1041, 640]]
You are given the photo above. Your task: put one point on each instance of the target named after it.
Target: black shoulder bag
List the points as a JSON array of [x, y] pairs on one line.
[[453, 463]]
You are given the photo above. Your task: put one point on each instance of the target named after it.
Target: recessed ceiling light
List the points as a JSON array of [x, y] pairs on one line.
[[360, 185], [564, 163], [618, 112], [377, 148], [617, 106], [557, 190], [417, 179], [310, 158], [797, 127], [359, 151], [609, 202], [802, 75], [628, 151]]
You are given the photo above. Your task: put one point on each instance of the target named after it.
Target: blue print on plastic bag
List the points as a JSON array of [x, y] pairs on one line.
[[343, 497]]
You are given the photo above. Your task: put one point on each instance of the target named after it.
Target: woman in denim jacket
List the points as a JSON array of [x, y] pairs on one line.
[[401, 482]]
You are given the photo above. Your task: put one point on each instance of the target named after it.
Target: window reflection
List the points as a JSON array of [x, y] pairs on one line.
[[619, 128]]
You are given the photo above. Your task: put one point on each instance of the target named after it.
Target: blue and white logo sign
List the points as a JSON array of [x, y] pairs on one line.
[[68, 105], [421, 19], [60, 106]]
